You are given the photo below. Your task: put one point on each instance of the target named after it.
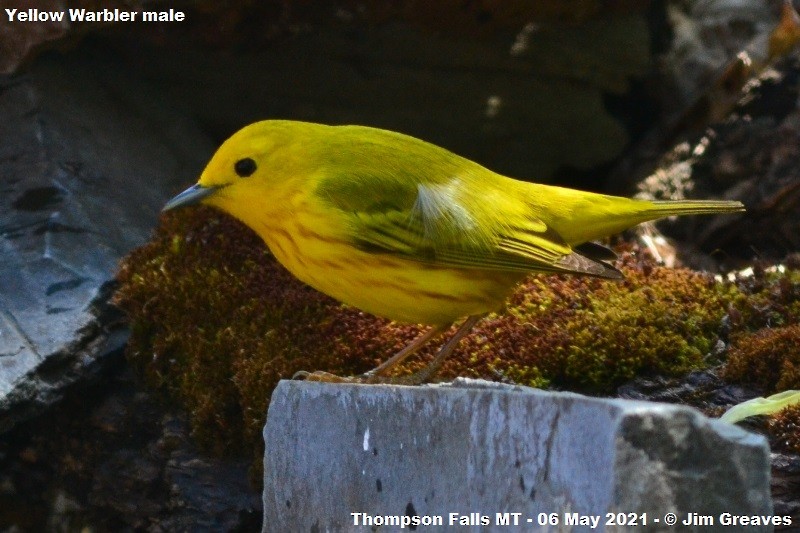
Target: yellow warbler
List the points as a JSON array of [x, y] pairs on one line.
[[407, 230]]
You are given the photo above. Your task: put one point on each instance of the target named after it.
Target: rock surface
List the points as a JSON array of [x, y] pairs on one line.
[[20, 41], [87, 157], [111, 457], [706, 35], [531, 102], [706, 391], [754, 155], [486, 448]]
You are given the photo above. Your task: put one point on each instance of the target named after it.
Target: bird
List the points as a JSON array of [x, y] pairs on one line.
[[406, 230]]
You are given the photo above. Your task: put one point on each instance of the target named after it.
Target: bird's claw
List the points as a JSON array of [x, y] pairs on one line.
[[367, 378], [327, 377]]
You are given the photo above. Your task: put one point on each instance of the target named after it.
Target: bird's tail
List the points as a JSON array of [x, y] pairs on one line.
[[619, 214], [666, 208]]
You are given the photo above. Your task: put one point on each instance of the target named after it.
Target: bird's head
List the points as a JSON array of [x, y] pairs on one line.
[[252, 169]]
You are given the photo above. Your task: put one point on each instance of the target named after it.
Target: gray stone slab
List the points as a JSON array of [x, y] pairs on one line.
[[333, 450], [88, 155]]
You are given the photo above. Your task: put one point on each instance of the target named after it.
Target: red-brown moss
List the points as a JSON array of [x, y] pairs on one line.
[[765, 346], [768, 358], [765, 326], [785, 429]]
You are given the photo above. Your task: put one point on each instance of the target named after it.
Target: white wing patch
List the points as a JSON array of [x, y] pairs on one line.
[[440, 211]]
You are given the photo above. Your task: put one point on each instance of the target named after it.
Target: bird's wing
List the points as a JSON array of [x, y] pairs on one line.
[[437, 223]]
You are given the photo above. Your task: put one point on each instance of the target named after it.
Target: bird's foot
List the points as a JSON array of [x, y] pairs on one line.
[[325, 377], [378, 375], [367, 378]]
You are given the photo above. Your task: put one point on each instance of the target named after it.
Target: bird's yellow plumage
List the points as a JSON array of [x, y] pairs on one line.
[[407, 230]]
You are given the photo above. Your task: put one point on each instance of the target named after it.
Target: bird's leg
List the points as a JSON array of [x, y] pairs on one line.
[[378, 374], [405, 353], [375, 375], [429, 371]]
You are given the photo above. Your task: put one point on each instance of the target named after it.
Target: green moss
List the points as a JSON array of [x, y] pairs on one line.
[[592, 335], [216, 322]]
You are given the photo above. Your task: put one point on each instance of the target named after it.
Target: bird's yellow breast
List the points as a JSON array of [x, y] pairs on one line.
[[386, 285]]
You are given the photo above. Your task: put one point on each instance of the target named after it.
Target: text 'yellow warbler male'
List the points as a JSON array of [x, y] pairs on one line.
[[406, 230]]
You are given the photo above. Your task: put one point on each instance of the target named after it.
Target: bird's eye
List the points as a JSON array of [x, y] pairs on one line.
[[245, 167]]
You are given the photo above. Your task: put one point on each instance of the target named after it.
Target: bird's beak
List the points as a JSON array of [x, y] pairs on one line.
[[190, 196]]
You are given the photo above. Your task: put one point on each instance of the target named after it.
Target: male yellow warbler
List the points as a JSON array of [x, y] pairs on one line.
[[406, 230]]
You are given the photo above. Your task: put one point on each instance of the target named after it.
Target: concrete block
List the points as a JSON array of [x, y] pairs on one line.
[[352, 457]]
